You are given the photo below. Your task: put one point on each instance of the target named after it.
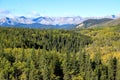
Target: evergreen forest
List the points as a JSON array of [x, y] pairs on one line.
[[57, 54]]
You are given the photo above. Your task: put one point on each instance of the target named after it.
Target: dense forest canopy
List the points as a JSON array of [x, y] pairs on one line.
[[43, 39], [85, 54]]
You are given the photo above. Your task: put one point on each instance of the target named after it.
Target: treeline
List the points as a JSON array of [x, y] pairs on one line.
[[31, 54]]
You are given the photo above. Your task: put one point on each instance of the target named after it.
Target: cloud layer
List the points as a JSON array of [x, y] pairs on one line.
[[4, 11]]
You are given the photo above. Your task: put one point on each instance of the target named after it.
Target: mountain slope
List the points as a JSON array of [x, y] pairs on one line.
[[110, 23], [90, 22]]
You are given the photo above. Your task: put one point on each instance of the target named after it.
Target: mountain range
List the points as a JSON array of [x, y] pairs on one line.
[[48, 22]]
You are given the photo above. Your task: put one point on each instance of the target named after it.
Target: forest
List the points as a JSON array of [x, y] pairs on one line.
[[50, 54]]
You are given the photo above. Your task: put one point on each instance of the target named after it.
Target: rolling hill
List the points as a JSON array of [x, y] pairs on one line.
[[115, 22], [91, 22]]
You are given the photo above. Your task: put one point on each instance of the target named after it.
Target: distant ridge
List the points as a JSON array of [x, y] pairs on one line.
[[91, 22], [115, 22]]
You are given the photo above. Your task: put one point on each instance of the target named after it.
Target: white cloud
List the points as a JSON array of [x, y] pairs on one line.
[[4, 11], [33, 14], [7, 13]]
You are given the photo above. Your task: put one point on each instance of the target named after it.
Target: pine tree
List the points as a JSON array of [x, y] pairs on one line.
[[112, 72]]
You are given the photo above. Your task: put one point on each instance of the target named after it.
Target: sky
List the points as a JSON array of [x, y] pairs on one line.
[[59, 8]]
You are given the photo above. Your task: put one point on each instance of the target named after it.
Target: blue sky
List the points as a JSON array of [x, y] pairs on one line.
[[84, 8]]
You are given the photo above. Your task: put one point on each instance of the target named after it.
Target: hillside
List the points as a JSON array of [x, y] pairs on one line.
[[109, 23], [91, 22], [106, 39]]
